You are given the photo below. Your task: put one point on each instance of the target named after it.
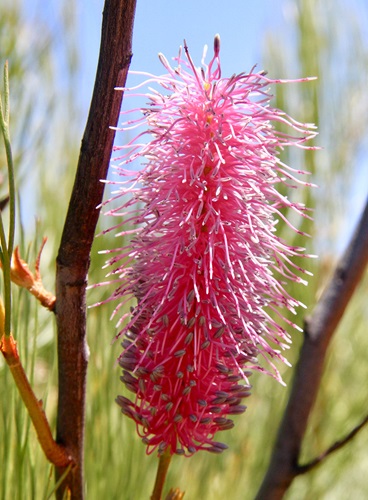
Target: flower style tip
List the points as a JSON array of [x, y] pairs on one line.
[[216, 45], [204, 262]]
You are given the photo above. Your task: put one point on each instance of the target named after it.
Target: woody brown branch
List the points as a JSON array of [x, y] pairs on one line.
[[74, 251], [318, 331]]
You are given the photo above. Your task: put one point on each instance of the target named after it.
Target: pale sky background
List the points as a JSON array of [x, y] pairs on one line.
[[161, 26]]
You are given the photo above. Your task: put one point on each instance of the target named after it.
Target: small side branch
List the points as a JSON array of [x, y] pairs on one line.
[[21, 275], [55, 453], [302, 469]]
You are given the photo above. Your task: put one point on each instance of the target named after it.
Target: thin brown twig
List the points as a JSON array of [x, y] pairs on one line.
[[318, 331], [74, 251], [55, 453], [302, 469]]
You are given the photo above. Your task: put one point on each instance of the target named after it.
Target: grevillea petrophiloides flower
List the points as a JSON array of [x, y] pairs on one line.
[[204, 263]]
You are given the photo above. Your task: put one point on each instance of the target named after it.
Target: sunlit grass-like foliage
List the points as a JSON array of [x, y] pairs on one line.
[[116, 465]]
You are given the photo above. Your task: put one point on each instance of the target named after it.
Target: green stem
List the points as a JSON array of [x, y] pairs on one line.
[[7, 246], [163, 466], [6, 94], [5, 261], [9, 157]]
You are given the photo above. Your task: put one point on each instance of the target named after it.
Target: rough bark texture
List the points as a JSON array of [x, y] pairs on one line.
[[318, 331], [74, 252]]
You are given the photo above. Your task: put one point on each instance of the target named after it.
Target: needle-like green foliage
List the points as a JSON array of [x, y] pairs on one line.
[[116, 465]]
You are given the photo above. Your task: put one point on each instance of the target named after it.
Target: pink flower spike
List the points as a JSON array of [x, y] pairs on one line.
[[205, 266]]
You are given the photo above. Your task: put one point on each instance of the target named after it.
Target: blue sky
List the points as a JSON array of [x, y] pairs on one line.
[[161, 26]]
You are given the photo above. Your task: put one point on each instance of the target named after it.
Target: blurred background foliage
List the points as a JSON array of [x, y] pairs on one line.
[[47, 124]]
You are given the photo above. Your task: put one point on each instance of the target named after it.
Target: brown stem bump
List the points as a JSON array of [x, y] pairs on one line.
[[21, 275]]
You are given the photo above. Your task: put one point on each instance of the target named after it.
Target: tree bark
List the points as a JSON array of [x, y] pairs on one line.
[[318, 331], [74, 253]]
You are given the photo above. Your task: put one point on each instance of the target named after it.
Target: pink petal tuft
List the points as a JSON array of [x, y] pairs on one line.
[[204, 262]]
